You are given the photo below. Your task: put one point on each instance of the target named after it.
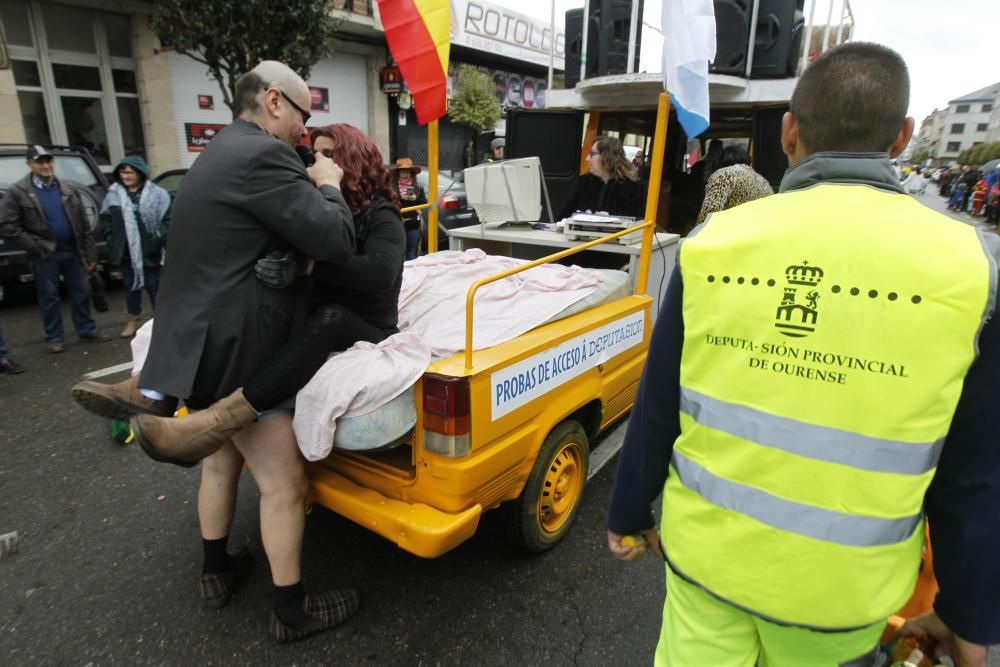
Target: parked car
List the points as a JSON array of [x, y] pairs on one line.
[[171, 180], [72, 163], [453, 206]]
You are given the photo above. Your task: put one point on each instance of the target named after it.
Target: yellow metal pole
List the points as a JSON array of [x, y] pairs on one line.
[[432, 181], [653, 193]]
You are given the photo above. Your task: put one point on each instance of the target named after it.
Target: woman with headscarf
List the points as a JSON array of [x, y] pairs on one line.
[[135, 218], [611, 185], [733, 182]]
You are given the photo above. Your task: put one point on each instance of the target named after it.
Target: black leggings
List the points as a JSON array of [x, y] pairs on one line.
[[329, 328]]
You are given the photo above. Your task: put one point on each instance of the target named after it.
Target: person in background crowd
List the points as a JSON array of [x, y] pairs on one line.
[[979, 192], [610, 187], [497, 148], [781, 537], [734, 182], [7, 365], [135, 218], [404, 176], [246, 195], [703, 168], [48, 218], [993, 204], [969, 180]]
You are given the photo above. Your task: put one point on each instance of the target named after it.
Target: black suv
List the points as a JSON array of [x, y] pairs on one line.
[[73, 163]]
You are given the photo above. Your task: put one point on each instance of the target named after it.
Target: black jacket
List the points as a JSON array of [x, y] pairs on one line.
[[22, 220], [617, 197], [246, 195], [368, 283]]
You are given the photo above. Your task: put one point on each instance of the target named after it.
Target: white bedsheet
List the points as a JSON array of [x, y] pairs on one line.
[[432, 325]]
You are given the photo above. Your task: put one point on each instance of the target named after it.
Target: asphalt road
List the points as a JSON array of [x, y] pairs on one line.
[[108, 559]]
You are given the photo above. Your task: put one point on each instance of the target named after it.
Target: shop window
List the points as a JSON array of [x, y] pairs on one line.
[[131, 124], [15, 22], [118, 28], [69, 28], [85, 126], [25, 73], [36, 123], [124, 81], [76, 77]]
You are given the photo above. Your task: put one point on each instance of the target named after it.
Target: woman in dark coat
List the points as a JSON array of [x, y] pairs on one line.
[[610, 187], [135, 218]]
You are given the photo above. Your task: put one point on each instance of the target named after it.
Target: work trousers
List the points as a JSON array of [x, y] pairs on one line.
[[48, 270], [699, 629]]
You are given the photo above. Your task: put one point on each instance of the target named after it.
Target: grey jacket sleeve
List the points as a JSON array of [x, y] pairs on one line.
[[11, 222], [280, 195]]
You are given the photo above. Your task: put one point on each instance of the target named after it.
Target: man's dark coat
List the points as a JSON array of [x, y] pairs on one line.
[[246, 195]]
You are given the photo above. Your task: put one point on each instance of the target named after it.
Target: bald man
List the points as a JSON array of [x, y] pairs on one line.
[[246, 195]]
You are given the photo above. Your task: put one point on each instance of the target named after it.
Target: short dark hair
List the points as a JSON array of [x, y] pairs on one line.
[[732, 155], [853, 99], [248, 87]]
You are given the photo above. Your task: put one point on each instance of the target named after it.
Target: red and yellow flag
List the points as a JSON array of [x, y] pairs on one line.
[[418, 32]]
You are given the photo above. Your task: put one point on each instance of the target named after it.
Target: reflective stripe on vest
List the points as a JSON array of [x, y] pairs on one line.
[[827, 334], [817, 523], [809, 440]]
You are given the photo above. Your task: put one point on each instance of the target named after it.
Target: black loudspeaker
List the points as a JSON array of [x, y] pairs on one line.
[[574, 46], [615, 17], [607, 39], [772, 44], [732, 35], [768, 158]]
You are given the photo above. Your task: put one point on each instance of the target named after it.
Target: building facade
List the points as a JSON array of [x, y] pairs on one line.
[[92, 73], [967, 122]]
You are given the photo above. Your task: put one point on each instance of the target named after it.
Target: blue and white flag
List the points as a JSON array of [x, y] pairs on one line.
[[688, 47]]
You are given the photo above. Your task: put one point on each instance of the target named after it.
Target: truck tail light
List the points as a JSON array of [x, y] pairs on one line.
[[446, 414], [449, 201]]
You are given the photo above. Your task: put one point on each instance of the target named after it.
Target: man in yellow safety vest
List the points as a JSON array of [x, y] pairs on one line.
[[820, 379]]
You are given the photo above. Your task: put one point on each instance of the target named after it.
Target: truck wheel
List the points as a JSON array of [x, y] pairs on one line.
[[545, 511]]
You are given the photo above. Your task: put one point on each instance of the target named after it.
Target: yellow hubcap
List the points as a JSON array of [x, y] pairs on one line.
[[561, 488]]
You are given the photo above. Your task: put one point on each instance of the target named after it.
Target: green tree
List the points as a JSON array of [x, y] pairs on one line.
[[231, 37], [474, 103], [920, 156]]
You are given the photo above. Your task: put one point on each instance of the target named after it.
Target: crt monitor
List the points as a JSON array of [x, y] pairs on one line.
[[506, 191]]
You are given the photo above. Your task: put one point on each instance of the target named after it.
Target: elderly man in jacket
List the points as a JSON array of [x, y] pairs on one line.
[[47, 218], [247, 195]]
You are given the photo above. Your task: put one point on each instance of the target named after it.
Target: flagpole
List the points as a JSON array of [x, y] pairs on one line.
[[552, 40], [583, 45], [633, 25]]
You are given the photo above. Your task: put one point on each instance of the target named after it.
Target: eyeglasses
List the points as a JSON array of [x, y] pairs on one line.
[[302, 112]]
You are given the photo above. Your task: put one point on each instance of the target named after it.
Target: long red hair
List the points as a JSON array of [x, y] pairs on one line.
[[365, 174]]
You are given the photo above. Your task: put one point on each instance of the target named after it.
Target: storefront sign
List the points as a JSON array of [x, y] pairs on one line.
[[485, 26], [206, 102], [320, 99], [392, 81], [199, 134]]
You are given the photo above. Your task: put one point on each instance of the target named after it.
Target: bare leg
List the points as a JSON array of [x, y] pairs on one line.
[[270, 450], [220, 475]]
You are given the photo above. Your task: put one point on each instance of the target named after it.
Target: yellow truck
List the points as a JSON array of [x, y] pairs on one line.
[[508, 427]]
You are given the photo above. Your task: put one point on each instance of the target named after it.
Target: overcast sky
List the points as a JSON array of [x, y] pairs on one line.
[[952, 47]]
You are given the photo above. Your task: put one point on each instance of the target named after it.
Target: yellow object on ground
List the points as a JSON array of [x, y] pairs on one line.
[[740, 638]]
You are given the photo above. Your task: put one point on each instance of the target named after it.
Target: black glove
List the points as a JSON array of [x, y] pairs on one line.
[[279, 269]]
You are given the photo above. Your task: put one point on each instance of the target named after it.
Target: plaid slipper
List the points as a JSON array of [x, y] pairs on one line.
[[325, 610], [218, 589]]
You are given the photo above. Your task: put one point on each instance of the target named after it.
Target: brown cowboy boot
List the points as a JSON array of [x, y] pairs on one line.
[[187, 440], [120, 401]]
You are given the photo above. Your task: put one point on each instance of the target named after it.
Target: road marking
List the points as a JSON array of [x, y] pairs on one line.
[[602, 455], [110, 370]]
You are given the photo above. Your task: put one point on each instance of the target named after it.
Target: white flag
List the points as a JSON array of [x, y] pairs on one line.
[[688, 47]]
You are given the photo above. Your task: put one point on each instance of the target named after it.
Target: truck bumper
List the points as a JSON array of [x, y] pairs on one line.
[[418, 528]]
